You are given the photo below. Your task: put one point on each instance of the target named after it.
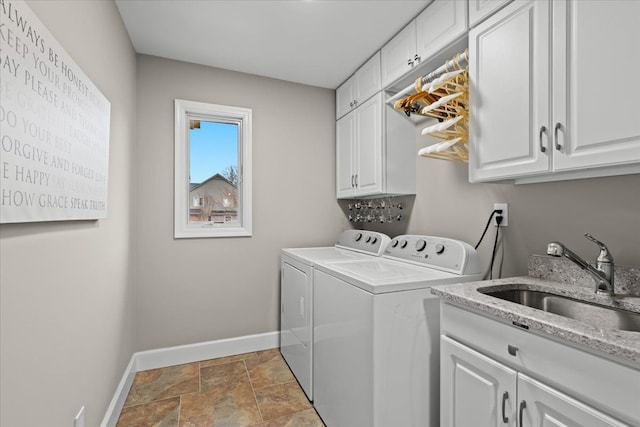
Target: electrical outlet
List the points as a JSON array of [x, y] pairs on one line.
[[78, 421], [505, 214]]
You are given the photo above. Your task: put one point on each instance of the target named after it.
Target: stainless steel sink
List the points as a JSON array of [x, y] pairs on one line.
[[597, 315]]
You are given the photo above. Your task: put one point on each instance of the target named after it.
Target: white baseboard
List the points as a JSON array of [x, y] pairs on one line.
[[163, 357], [169, 356], [117, 402]]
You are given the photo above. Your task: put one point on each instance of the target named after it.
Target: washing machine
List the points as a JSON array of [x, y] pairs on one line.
[[296, 295], [376, 332]]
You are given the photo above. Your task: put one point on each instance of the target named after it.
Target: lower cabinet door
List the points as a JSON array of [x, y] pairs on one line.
[[475, 390], [540, 405]]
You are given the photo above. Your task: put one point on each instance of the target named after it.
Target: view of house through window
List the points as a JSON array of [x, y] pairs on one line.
[[212, 184], [213, 172]]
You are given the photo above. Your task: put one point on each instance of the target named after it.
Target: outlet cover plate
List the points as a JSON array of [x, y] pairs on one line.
[[505, 214]]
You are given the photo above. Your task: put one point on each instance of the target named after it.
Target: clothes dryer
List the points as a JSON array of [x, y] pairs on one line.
[[296, 294]]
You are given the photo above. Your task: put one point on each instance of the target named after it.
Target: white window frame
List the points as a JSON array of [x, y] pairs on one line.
[[192, 110]]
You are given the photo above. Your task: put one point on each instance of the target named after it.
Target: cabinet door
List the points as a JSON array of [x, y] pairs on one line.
[[546, 407], [475, 390], [345, 97], [595, 97], [481, 9], [440, 24], [368, 79], [345, 151], [398, 54], [368, 177], [509, 94]]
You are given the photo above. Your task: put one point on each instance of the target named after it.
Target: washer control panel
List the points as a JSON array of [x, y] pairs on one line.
[[369, 242], [439, 253]]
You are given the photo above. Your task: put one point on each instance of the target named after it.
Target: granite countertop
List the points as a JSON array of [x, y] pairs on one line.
[[617, 343]]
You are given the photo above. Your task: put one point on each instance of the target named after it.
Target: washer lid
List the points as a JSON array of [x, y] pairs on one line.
[[379, 275], [310, 256]]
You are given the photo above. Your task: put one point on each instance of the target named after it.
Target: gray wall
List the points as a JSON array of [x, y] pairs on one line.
[[66, 296], [447, 204], [194, 290]]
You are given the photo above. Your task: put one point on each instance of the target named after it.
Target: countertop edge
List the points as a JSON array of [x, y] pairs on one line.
[[619, 344]]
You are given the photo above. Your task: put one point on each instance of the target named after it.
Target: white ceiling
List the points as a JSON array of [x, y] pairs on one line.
[[314, 42]]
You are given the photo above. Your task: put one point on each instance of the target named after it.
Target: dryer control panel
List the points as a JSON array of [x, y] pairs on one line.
[[368, 242], [439, 253]]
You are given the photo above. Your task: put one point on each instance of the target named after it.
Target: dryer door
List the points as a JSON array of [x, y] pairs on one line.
[[295, 322], [296, 286]]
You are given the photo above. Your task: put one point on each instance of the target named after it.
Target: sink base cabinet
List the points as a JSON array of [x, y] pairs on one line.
[[560, 384], [544, 406], [477, 390], [473, 387]]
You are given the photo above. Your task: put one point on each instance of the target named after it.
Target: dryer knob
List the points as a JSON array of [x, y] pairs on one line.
[[420, 245], [394, 243], [368, 239], [374, 240], [439, 248], [358, 237], [403, 244]]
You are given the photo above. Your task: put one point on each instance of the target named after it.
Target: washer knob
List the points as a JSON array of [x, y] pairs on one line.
[[374, 240], [420, 245], [439, 248], [403, 244], [394, 243], [368, 239], [358, 237]]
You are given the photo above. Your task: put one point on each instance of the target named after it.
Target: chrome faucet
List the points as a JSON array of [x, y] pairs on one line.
[[603, 271]]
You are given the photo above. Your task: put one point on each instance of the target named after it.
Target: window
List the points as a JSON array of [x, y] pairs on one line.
[[212, 170]]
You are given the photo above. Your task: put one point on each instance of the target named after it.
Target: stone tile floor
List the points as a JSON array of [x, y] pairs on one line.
[[253, 389]]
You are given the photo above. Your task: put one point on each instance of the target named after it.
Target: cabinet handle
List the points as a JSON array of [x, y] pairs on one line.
[[356, 180], [555, 136], [505, 396], [543, 130], [355, 102], [512, 350], [410, 62], [352, 184], [417, 59], [523, 405], [351, 104]]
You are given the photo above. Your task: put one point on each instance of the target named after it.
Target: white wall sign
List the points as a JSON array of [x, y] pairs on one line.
[[54, 127]]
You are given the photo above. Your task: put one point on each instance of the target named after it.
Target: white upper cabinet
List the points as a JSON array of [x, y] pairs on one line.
[[540, 107], [358, 88], [368, 162], [509, 73], [596, 58], [345, 97], [441, 23], [399, 54], [482, 9], [375, 152], [359, 151], [345, 152]]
